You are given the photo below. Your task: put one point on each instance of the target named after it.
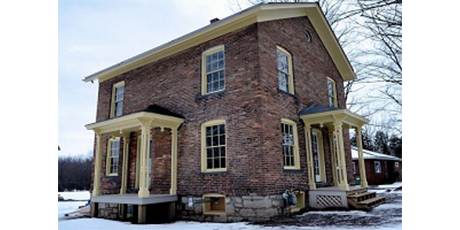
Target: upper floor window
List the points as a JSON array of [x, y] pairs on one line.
[[213, 70], [332, 92], [118, 94], [290, 144], [113, 153], [214, 146], [285, 76]]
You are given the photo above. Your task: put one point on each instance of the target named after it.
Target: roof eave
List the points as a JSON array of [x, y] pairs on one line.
[[257, 13]]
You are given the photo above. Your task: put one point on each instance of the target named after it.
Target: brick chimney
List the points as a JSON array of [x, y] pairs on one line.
[[214, 20]]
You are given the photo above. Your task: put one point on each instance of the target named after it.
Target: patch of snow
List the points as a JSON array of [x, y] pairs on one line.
[[76, 195], [391, 186], [68, 206], [341, 213]]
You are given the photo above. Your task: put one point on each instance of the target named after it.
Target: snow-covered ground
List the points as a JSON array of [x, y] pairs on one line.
[[76, 195], [385, 217]]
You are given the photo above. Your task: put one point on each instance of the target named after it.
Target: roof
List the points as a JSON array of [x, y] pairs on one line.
[[258, 13], [370, 155], [160, 110], [315, 108]]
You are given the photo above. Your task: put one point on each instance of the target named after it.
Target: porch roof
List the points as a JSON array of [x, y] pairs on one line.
[[319, 114], [133, 198], [153, 116]]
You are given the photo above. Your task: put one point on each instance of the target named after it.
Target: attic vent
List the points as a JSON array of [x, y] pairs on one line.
[[214, 20], [308, 36]]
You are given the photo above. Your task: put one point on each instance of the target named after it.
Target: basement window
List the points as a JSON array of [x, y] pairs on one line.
[[214, 204]]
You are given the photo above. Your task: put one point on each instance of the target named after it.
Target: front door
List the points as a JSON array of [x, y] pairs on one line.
[[316, 155]]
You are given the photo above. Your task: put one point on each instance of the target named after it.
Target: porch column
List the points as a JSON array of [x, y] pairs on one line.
[[310, 163], [343, 181], [124, 170], [362, 166], [97, 165], [143, 175], [173, 189], [333, 156]]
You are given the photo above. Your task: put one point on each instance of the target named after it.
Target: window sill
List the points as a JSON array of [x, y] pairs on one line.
[[292, 170], [213, 94], [287, 93], [215, 171]]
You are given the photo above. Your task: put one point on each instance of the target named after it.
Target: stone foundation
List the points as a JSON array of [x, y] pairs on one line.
[[245, 208], [108, 211]]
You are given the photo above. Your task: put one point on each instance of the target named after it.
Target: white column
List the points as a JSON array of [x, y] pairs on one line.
[[310, 163], [343, 180], [173, 189], [124, 170], [362, 166], [97, 166], [145, 141]]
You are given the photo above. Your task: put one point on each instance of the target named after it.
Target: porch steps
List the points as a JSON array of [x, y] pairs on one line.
[[363, 200]]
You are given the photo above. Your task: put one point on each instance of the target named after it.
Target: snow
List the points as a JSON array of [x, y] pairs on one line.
[[75, 195], [102, 224], [68, 206]]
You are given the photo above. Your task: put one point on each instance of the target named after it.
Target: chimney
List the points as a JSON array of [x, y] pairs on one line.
[[214, 20]]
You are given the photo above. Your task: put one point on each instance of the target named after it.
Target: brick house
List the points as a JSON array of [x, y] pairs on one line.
[[380, 168], [217, 124]]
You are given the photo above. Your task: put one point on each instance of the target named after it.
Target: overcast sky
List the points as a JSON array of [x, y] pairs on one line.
[[96, 34]]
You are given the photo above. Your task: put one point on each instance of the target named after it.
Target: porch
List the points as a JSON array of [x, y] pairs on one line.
[[356, 197], [336, 121], [121, 128]]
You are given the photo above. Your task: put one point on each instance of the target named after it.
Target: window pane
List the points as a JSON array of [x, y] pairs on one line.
[[215, 140], [215, 76], [216, 152], [208, 141], [208, 152], [222, 140], [208, 131], [221, 64], [209, 164], [216, 163], [222, 162], [282, 83], [222, 129], [222, 151], [221, 85], [221, 54]]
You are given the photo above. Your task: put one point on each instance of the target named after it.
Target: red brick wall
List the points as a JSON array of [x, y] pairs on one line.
[[251, 106], [374, 178]]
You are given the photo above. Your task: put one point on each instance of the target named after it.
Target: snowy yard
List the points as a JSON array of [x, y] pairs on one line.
[[385, 217]]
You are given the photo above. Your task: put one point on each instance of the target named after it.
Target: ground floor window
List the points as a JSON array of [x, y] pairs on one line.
[[113, 153], [214, 146], [290, 145]]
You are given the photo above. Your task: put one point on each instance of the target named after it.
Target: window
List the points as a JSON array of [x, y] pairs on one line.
[[290, 144], [378, 168], [118, 94], [214, 146], [354, 167], [113, 153], [396, 164], [214, 204], [285, 76], [213, 74], [332, 92]]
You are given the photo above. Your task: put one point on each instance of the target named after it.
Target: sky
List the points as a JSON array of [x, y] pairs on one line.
[[95, 34]]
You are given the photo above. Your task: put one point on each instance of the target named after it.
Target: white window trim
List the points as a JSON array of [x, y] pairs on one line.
[[108, 165], [296, 144], [203, 145], [112, 104], [204, 79], [291, 72], [334, 98]]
